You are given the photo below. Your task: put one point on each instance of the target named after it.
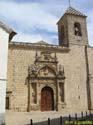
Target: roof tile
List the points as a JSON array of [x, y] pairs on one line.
[[73, 11]]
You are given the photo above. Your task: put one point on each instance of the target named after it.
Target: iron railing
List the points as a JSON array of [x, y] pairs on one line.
[[84, 118]]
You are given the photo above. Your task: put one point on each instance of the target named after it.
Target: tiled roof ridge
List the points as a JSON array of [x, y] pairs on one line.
[[72, 10]]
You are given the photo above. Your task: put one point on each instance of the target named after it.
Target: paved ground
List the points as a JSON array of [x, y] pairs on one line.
[[23, 118], [2, 118]]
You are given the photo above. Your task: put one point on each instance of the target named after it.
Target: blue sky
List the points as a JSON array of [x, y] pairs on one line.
[[35, 20]]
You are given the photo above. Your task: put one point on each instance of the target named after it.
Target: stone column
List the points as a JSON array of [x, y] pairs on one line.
[[61, 98], [28, 108], [57, 95], [38, 95]]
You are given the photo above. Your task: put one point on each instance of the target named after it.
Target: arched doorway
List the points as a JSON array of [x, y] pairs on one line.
[[47, 99]]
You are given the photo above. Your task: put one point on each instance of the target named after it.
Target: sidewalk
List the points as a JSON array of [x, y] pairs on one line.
[[23, 118]]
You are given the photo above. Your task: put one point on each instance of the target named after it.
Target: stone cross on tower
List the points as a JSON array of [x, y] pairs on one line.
[[69, 3]]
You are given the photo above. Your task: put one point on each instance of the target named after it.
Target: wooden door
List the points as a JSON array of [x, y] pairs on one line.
[[47, 101], [7, 102]]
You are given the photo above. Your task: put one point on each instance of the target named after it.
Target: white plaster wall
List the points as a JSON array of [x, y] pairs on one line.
[[2, 96], [3, 67]]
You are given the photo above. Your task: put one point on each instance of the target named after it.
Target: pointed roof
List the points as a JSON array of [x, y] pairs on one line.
[[42, 42], [73, 11]]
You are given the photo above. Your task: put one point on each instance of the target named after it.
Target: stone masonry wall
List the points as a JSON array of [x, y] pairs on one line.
[[80, 40], [75, 72], [90, 60], [63, 22], [18, 62]]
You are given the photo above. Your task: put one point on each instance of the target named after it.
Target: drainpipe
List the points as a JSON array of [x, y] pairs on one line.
[[88, 79]]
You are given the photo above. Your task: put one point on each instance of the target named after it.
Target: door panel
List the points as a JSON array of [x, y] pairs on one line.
[[47, 101]]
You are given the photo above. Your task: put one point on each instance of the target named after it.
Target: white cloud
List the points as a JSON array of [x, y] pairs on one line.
[[28, 15], [23, 37], [90, 30]]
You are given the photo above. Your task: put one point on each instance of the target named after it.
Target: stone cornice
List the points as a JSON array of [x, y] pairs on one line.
[[34, 46], [46, 78]]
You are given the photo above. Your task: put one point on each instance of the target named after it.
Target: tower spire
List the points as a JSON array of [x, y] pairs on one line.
[[69, 3]]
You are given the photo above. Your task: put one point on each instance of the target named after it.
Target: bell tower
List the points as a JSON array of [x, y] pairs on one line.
[[72, 28]]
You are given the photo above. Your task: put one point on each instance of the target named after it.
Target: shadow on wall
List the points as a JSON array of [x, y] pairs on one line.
[[2, 119]]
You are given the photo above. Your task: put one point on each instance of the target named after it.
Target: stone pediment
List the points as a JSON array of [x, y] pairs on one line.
[[42, 70], [42, 42], [46, 71]]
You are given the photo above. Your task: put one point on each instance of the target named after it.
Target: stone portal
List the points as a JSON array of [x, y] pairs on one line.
[[45, 77]]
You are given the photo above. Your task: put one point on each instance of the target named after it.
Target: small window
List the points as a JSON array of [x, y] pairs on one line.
[[77, 29]]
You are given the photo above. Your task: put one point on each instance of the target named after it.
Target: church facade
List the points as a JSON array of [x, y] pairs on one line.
[[44, 77]]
